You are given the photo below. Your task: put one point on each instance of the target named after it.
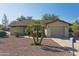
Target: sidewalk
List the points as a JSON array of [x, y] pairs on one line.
[[67, 43]]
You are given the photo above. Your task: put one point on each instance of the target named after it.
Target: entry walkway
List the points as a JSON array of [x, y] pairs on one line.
[[67, 43]]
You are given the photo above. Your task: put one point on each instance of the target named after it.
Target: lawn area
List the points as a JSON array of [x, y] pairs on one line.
[[13, 46]]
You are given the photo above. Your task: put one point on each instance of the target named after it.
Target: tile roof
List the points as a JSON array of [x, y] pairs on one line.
[[26, 22], [20, 23]]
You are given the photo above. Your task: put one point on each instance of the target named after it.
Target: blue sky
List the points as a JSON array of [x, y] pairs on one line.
[[67, 12]]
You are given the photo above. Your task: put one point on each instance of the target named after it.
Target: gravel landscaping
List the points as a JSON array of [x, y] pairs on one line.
[[13, 46]]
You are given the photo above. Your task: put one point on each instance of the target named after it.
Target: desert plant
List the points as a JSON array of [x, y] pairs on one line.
[[36, 30]]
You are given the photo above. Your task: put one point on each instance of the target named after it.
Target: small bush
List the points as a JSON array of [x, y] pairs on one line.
[[2, 33], [18, 34]]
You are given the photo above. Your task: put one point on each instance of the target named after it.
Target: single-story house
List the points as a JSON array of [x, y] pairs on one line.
[[55, 28]]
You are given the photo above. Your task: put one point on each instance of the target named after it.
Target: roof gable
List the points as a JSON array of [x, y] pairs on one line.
[[57, 20]]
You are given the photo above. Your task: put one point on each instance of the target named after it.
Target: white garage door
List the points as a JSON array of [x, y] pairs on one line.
[[57, 31]]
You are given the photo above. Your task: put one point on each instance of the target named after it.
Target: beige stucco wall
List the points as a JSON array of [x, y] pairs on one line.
[[17, 29], [58, 29]]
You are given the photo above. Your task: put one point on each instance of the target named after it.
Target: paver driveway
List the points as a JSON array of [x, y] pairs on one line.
[[13, 46]]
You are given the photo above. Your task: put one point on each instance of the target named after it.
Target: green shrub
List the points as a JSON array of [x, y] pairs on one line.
[[2, 33], [39, 34]]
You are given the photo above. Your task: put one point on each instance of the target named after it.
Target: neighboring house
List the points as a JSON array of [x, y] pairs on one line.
[[18, 26], [55, 28], [1, 26]]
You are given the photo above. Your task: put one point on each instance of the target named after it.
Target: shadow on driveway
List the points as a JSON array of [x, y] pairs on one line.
[[56, 48]]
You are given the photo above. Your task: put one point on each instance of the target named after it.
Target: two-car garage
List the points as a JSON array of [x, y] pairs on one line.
[[58, 29]]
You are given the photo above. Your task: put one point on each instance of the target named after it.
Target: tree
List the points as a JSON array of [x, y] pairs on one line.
[[5, 21], [49, 17], [29, 18], [36, 30], [21, 18], [75, 28], [77, 22]]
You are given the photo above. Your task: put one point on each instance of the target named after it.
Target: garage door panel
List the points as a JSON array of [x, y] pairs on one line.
[[57, 31]]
